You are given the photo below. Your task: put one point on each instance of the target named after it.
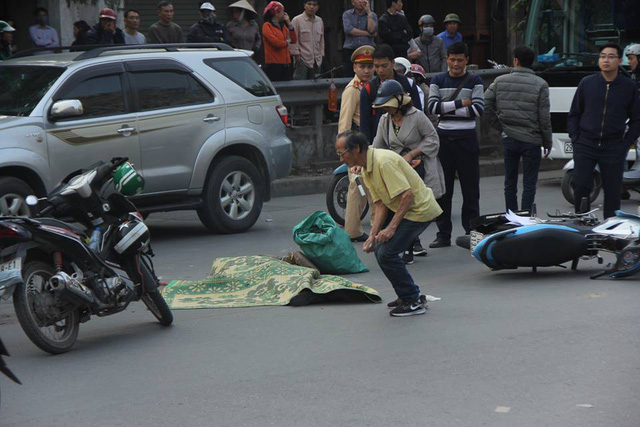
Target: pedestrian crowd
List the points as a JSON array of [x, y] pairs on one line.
[[293, 48], [241, 32]]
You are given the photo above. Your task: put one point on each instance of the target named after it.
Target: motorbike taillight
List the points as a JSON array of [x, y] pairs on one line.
[[8, 230]]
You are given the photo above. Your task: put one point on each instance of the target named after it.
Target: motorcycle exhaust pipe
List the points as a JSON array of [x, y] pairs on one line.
[[70, 289]]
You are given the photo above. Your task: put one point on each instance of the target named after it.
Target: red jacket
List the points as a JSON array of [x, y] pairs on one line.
[[276, 46]]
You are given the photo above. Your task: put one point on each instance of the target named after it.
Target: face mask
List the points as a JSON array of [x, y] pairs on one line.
[[427, 32], [208, 19], [42, 20]]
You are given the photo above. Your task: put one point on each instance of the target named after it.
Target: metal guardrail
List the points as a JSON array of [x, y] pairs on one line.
[[312, 92]]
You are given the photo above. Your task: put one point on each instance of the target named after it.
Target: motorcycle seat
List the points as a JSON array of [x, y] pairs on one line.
[[57, 223]]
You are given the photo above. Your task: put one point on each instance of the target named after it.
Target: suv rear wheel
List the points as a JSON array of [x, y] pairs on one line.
[[13, 195], [232, 196]]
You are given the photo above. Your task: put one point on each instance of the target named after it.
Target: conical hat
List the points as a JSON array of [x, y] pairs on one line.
[[243, 4]]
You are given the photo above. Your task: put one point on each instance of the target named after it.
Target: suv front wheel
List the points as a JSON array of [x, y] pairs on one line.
[[13, 195], [232, 196]]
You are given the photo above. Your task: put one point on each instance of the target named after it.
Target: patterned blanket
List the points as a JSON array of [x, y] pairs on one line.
[[250, 281]]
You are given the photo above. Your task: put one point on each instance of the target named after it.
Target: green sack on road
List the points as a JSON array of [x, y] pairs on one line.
[[327, 245]]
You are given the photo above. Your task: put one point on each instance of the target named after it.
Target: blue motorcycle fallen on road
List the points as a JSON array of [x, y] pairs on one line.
[[500, 244]]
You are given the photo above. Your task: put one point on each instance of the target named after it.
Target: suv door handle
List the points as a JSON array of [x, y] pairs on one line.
[[126, 131], [211, 118]]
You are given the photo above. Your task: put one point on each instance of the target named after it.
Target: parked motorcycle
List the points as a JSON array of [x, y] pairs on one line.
[[3, 365], [60, 274], [631, 178], [337, 195]]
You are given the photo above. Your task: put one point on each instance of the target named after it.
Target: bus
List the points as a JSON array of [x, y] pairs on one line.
[[567, 35]]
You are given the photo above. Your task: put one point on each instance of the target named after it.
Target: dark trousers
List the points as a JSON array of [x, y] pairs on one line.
[[347, 65], [531, 154], [390, 262], [278, 72], [461, 155], [611, 159]]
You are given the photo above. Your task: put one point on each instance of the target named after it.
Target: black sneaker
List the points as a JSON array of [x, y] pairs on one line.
[[418, 250], [405, 309], [407, 257], [362, 238], [395, 303]]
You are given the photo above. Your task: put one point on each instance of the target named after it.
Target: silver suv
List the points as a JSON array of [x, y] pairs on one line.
[[204, 126]]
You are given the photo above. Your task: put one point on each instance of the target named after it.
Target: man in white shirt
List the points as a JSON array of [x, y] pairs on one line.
[[131, 25]]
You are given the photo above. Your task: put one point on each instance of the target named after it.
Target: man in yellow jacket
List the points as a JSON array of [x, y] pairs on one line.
[[404, 207]]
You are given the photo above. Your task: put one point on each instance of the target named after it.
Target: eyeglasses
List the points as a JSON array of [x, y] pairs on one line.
[[343, 153], [609, 57]]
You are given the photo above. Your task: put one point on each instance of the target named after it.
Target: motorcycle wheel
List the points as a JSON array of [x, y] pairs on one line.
[[158, 307], [57, 338], [567, 188], [153, 299], [337, 199]]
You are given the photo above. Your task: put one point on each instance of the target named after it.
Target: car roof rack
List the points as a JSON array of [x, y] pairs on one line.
[[94, 51]]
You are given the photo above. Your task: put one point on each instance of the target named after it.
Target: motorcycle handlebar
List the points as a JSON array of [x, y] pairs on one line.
[[106, 169]]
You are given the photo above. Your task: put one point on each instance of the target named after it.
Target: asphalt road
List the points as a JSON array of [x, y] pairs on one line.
[[508, 348]]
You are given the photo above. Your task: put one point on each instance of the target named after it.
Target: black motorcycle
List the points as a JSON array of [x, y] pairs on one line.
[[61, 273]]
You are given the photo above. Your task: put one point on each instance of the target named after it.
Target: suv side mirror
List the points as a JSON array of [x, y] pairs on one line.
[[66, 108]]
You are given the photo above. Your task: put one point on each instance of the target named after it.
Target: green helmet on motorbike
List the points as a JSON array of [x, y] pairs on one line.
[[127, 180]]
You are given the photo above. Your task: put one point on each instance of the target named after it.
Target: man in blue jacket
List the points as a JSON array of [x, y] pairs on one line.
[[383, 62], [597, 122]]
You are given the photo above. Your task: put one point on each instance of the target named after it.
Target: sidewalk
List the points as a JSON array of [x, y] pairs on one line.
[[298, 185]]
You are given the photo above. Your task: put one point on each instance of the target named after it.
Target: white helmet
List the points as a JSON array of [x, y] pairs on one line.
[[405, 63], [633, 49]]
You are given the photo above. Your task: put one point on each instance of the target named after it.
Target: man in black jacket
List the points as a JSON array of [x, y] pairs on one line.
[[394, 29], [597, 121], [383, 64], [104, 32], [207, 30]]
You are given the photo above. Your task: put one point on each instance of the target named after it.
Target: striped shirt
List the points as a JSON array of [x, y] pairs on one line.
[[453, 116]]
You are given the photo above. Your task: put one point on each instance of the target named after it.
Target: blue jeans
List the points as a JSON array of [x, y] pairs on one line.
[[390, 262], [531, 155]]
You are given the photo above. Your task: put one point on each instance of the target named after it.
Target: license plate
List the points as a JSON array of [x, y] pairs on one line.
[[10, 274], [568, 147], [475, 239], [14, 264]]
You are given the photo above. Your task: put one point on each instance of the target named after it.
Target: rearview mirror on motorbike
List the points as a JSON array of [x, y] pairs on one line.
[[31, 200]]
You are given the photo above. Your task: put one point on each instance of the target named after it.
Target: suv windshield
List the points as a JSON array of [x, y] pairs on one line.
[[22, 87]]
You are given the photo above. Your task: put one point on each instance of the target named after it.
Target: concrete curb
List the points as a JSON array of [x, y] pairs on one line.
[[297, 185]]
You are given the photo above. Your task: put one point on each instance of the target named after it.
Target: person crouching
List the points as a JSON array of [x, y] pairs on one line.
[[404, 207]]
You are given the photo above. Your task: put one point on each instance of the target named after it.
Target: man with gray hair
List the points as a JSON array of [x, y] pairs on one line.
[[404, 207], [432, 55]]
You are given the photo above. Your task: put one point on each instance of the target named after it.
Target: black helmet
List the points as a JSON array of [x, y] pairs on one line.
[[426, 19], [132, 235], [388, 90]]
